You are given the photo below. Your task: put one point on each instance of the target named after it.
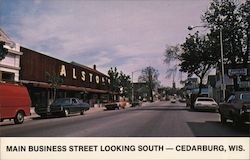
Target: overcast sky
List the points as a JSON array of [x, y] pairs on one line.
[[127, 34]]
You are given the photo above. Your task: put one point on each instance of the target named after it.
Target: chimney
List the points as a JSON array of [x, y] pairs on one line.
[[94, 67]]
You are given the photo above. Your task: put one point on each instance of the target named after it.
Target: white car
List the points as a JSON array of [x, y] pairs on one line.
[[205, 103], [173, 100]]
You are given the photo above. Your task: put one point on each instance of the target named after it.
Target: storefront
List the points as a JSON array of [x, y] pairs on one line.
[[47, 78]]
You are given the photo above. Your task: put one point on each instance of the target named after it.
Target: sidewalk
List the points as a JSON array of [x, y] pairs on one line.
[[94, 109]]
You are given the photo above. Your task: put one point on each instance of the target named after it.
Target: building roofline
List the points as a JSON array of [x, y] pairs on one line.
[[72, 63]]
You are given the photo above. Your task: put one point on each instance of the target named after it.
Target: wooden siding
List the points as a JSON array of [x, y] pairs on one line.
[[34, 66]]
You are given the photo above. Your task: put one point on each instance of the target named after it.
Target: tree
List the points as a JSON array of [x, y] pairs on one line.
[[233, 19], [198, 57], [120, 82], [125, 84], [245, 12], [55, 82], [114, 81], [172, 54], [150, 76]]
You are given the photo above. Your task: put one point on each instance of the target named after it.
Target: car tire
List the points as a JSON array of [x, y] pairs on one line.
[[43, 115], [236, 121], [192, 107], [223, 120], [82, 112], [66, 113], [19, 118]]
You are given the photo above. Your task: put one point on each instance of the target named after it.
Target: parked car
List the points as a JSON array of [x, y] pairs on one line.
[[66, 106], [182, 100], [115, 105], [14, 102], [173, 100], [205, 103], [136, 103], [112, 105], [237, 108]]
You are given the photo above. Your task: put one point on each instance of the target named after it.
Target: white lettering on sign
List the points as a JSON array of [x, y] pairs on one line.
[[97, 79], [63, 71], [83, 76], [240, 71], [74, 73], [90, 77]]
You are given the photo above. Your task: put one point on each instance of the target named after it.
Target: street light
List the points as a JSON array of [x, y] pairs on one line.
[[132, 96], [222, 59]]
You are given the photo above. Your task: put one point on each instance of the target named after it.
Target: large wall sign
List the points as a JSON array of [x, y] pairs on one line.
[[34, 67]]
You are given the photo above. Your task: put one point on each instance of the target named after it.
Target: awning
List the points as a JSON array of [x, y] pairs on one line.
[[66, 87]]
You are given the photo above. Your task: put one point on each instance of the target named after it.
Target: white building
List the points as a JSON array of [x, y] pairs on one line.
[[10, 65]]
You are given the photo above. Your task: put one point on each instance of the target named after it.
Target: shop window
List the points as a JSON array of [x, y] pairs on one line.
[[8, 76]]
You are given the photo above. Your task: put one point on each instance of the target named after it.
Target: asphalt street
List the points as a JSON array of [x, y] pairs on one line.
[[158, 119]]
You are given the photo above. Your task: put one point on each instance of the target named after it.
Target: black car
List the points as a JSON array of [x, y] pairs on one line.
[[237, 108], [66, 106]]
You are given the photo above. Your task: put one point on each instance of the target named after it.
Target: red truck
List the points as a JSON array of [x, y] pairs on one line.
[[14, 102]]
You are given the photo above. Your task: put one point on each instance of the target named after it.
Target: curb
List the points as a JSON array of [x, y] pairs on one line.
[[94, 109]]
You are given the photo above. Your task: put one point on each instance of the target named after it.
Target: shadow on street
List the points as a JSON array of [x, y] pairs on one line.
[[161, 109], [216, 129]]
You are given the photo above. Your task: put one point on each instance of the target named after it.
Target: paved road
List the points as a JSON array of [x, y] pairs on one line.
[[158, 119]]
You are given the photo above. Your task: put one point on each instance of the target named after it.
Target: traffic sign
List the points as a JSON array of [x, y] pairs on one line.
[[244, 84], [237, 72]]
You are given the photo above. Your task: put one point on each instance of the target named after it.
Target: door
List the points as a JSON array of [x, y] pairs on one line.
[[228, 107], [75, 105]]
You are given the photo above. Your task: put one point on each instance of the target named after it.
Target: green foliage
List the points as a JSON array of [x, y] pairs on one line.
[[55, 81], [150, 76], [199, 56], [245, 12], [114, 81], [172, 54], [233, 18], [3, 51], [202, 53], [125, 83], [120, 82]]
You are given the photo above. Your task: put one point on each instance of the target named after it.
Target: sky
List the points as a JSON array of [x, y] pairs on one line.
[[127, 34]]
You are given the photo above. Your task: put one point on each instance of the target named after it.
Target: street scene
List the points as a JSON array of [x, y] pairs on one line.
[[125, 68], [158, 119]]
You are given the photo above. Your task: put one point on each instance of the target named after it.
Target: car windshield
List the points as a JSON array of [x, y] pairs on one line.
[[205, 99], [62, 101], [245, 97]]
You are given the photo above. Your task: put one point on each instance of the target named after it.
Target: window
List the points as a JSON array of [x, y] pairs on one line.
[[205, 99], [245, 97], [74, 101], [231, 99], [61, 101], [8, 76]]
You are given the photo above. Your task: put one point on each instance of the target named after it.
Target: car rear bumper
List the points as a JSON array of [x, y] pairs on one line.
[[111, 106], [245, 116], [206, 107]]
